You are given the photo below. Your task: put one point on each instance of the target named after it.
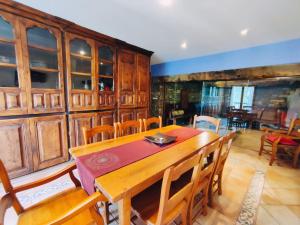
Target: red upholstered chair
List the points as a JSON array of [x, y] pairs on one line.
[[283, 139]]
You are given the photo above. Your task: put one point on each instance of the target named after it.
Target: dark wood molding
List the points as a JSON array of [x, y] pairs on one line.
[[65, 25], [286, 70]]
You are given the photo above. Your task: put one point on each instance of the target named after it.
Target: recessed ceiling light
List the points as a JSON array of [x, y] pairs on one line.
[[183, 45], [244, 32], [166, 3]]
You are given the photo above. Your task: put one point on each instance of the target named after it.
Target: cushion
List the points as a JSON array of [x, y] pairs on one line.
[[283, 140]]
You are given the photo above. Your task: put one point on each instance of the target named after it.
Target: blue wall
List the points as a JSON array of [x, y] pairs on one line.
[[265, 55]]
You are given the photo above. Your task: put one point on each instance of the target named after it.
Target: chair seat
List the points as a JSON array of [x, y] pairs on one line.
[[283, 140], [57, 205]]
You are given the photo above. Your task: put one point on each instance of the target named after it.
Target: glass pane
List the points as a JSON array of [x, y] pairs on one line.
[[80, 47], [80, 65], [248, 97], [43, 79], [7, 53], [106, 69], [105, 53], [236, 95], [6, 30], [41, 37], [106, 84], [41, 58], [81, 82], [8, 77]]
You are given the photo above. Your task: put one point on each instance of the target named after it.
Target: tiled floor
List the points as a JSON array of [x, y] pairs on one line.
[[279, 202]]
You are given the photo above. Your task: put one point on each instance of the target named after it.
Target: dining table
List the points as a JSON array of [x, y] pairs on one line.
[[120, 185]]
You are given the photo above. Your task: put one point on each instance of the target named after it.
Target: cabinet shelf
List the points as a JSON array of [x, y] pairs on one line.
[[105, 61], [81, 74], [5, 41], [9, 65], [81, 56], [44, 69], [42, 48], [106, 76]]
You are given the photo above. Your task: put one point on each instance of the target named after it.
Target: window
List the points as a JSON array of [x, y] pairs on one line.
[[242, 97]]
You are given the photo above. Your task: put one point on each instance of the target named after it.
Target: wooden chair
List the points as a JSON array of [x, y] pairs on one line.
[[216, 122], [153, 120], [107, 130], [163, 202], [282, 139], [129, 127], [216, 181], [200, 195], [72, 206]]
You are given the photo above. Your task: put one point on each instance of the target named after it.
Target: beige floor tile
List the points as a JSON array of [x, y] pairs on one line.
[[295, 209], [264, 218], [214, 218], [226, 206], [288, 196], [282, 214], [269, 197]]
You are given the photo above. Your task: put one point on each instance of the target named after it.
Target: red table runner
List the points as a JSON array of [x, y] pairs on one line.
[[97, 164]]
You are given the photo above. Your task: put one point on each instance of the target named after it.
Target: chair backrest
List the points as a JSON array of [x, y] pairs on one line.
[[153, 120], [226, 146], [167, 201], [294, 126], [211, 154], [9, 199], [129, 127], [106, 131], [216, 122]]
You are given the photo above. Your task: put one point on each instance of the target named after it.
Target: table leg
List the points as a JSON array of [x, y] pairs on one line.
[[124, 206]]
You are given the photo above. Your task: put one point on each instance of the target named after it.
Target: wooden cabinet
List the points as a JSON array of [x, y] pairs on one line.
[[126, 78], [141, 113], [105, 75], [49, 67], [142, 81], [126, 114], [81, 73], [49, 140], [43, 64], [16, 152], [76, 123], [13, 96]]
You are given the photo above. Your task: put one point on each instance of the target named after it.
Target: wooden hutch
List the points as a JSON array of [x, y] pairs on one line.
[[55, 78]]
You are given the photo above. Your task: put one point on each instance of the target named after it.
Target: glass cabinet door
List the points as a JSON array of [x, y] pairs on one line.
[[12, 82], [44, 67], [8, 61], [81, 64], [43, 58], [105, 68], [80, 53]]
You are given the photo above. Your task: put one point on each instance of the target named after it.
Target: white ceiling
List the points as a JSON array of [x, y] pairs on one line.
[[208, 26]]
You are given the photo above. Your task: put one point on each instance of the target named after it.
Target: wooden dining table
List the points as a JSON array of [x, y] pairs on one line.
[[120, 185]]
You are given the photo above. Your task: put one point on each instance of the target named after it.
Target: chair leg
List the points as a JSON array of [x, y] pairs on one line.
[[106, 213], [296, 157], [262, 142], [273, 154], [205, 201], [190, 210], [220, 183]]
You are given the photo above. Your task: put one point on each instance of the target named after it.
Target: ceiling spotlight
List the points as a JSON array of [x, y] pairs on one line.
[[244, 32], [166, 3], [183, 45]]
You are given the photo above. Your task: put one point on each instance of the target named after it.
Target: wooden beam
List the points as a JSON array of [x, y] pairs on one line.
[[286, 70]]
